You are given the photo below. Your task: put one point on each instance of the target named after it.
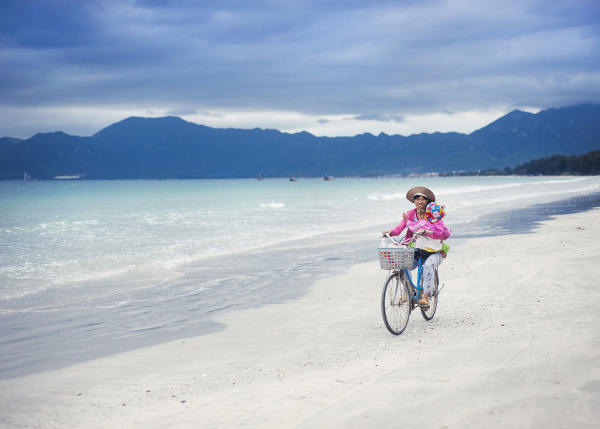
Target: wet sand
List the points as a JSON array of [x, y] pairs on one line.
[[514, 343]]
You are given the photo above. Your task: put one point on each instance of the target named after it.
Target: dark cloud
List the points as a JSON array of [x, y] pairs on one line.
[[323, 121], [319, 58], [50, 24]]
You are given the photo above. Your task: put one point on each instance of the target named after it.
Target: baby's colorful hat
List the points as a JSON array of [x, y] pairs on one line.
[[434, 212]]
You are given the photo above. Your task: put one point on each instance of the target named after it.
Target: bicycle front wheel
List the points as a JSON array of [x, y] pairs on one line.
[[433, 299], [395, 303]]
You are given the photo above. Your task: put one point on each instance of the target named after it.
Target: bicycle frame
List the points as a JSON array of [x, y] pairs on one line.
[[419, 273], [413, 286], [408, 275]]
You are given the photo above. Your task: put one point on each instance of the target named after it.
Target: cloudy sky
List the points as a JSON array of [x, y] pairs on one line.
[[339, 67]]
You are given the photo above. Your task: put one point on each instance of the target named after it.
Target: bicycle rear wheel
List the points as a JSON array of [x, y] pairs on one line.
[[433, 299], [395, 303]]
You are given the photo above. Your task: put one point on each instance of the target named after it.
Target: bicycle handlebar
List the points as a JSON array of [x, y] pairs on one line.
[[388, 236], [413, 238]]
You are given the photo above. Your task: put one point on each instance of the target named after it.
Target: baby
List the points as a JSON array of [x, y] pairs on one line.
[[431, 231]]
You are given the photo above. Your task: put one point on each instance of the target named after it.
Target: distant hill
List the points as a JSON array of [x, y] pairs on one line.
[[7, 143], [44, 156], [170, 147], [520, 136]]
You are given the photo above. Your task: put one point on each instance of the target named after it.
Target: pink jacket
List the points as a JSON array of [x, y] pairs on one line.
[[437, 230]]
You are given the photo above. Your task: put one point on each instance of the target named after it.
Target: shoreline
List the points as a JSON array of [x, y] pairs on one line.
[[73, 347], [76, 178], [513, 343], [515, 221]]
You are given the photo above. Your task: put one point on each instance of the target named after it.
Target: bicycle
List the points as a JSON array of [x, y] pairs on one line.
[[400, 295]]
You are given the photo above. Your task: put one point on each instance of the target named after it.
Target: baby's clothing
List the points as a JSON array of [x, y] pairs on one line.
[[434, 232]]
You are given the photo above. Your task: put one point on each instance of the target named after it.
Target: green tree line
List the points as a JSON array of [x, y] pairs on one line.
[[584, 165], [587, 164]]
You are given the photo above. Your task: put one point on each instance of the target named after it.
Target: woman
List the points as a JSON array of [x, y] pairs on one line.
[[428, 237]]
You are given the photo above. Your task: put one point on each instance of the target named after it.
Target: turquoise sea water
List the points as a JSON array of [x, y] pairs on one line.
[[97, 261]]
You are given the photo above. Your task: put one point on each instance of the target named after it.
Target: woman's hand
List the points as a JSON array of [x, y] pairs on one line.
[[386, 232], [404, 216], [418, 234]]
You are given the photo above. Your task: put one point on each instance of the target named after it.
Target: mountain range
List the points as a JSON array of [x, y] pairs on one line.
[[169, 147]]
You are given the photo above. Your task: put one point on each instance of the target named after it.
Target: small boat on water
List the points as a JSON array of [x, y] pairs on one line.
[[293, 179], [328, 177], [259, 177]]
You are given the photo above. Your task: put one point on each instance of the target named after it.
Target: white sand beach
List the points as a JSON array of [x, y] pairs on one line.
[[515, 343]]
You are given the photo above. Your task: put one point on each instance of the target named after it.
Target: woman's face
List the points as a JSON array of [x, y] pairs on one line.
[[420, 203]]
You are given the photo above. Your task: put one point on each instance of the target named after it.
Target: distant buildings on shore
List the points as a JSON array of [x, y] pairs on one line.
[[75, 176], [412, 175]]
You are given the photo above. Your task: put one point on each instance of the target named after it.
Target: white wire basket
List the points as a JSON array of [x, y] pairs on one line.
[[396, 258]]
